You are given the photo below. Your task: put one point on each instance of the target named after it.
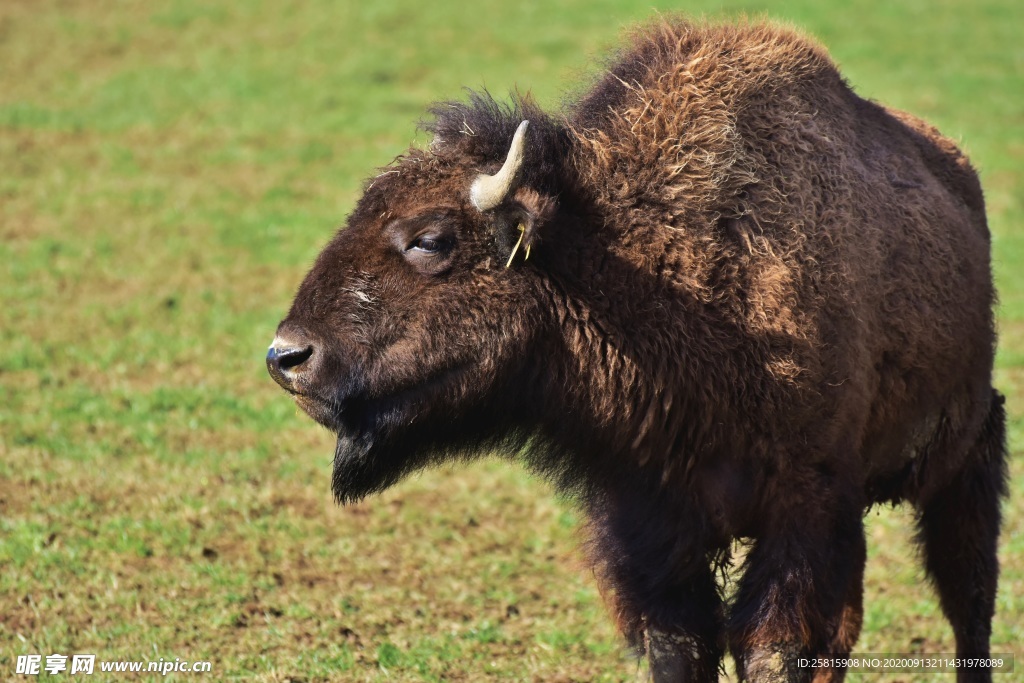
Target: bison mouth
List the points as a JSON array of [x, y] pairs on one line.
[[383, 437], [357, 411]]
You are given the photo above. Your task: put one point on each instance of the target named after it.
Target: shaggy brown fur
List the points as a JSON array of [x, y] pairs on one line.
[[755, 305]]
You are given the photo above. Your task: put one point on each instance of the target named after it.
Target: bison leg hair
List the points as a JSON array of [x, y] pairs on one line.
[[845, 633], [659, 581], [673, 657], [801, 592], [959, 530], [677, 625]]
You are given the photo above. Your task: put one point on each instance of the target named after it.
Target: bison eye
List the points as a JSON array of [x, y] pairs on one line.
[[427, 243], [430, 244]]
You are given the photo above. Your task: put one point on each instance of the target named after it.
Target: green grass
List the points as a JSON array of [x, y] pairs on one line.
[[167, 173]]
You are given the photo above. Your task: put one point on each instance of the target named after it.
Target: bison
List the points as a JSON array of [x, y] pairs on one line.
[[720, 297]]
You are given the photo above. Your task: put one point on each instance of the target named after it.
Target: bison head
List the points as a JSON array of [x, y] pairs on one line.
[[413, 336]]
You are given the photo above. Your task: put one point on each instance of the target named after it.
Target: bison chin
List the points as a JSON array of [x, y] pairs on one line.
[[377, 447], [370, 459]]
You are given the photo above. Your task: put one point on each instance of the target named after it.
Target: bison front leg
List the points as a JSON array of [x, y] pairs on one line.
[[677, 655], [800, 595], [678, 630], [660, 585]]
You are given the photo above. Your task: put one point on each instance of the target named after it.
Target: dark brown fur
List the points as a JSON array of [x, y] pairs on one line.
[[755, 305]]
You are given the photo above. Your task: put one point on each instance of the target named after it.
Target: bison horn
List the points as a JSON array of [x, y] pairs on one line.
[[488, 191]]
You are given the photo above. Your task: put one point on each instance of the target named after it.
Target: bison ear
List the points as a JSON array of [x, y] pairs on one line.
[[527, 213]]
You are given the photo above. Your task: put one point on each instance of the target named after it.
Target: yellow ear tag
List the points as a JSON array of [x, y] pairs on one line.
[[522, 231]]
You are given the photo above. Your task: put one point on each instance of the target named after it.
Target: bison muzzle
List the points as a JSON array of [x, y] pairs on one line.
[[720, 297]]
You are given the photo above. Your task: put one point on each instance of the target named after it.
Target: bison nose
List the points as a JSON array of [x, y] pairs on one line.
[[287, 358]]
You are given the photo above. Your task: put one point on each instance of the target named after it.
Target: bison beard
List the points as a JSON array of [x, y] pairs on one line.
[[720, 298], [379, 445]]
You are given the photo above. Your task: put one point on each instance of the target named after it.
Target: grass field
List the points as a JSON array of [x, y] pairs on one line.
[[167, 173]]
